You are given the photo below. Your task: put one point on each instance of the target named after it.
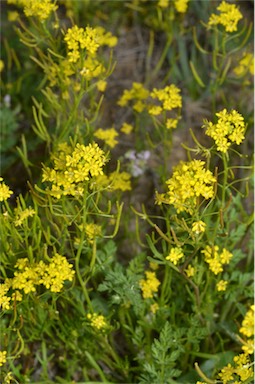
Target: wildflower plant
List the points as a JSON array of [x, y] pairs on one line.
[[122, 261]]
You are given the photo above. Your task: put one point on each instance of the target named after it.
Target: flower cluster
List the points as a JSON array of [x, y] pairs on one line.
[[240, 370], [137, 93], [126, 128], [5, 191], [2, 357], [190, 180], [113, 182], [247, 329], [222, 285], [150, 285], [97, 321], [168, 98], [38, 8], [72, 169], [51, 275], [216, 259], [228, 17], [92, 231], [246, 64], [198, 227], [230, 128], [120, 181], [181, 5], [27, 276], [88, 39], [107, 135], [22, 214], [175, 255]]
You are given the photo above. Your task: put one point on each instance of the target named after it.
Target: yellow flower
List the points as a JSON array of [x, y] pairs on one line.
[[97, 321], [4, 299], [126, 128], [101, 85], [175, 255], [136, 93], [189, 181], [171, 123], [155, 110], [92, 231], [246, 64], [21, 215], [228, 17], [163, 3], [55, 273], [107, 135], [248, 346], [120, 180], [73, 168], [1, 65], [222, 285], [5, 191], [198, 227], [88, 39], [13, 15], [215, 259], [229, 129], [154, 307], [226, 374], [153, 266], [39, 8], [169, 97], [190, 271], [247, 327], [2, 357], [181, 5], [150, 285]]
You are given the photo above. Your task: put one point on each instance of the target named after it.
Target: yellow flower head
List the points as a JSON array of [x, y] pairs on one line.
[[4, 299], [37, 8], [168, 97], [228, 17], [154, 307], [171, 123], [247, 327], [2, 357], [150, 285], [137, 93], [97, 321], [216, 259], [1, 65], [107, 135], [190, 271], [190, 180], [175, 255], [89, 40], [101, 85], [74, 167], [53, 275], [230, 128], [5, 191], [246, 65], [126, 128], [163, 3], [92, 231], [120, 181], [198, 227], [22, 215], [222, 285], [181, 5]]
